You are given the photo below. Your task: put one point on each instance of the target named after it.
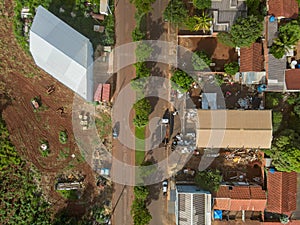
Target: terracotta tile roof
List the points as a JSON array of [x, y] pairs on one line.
[[292, 79], [282, 192], [251, 59], [283, 8], [251, 198]]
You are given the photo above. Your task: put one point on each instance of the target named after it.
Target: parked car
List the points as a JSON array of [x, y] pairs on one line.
[[115, 133], [165, 187]]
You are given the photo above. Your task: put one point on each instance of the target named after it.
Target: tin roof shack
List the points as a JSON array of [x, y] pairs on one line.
[[234, 129], [192, 206]]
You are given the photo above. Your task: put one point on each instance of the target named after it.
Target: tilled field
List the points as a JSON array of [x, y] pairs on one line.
[[22, 81]]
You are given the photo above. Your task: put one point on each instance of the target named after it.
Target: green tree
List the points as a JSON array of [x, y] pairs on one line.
[[285, 151], [140, 213], [209, 180], [231, 68], [289, 35], [243, 33], [143, 51], [137, 34], [277, 119], [143, 6], [182, 80], [175, 12], [201, 60], [141, 192], [202, 23], [202, 4], [256, 8], [225, 39], [142, 110]]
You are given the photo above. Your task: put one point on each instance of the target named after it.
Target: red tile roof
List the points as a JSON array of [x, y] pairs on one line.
[[250, 198], [292, 79], [283, 8], [251, 59], [282, 192]]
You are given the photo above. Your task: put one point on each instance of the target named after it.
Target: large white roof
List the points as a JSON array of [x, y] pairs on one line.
[[62, 52]]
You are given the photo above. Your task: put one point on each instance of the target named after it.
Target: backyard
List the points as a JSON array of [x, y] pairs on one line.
[[219, 53]]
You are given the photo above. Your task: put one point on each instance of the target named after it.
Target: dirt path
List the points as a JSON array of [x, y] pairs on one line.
[[123, 195], [28, 128]]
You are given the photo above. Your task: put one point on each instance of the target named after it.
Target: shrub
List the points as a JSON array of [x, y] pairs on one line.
[[201, 60], [63, 137], [182, 80], [277, 119], [231, 68]]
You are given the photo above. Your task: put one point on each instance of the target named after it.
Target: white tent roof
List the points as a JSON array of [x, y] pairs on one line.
[[62, 52]]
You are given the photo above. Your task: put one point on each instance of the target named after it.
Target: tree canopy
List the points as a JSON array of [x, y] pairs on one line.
[[285, 151], [202, 4], [243, 33], [209, 180], [231, 68], [197, 23], [175, 12], [142, 111], [289, 35], [143, 51], [201, 60], [182, 80], [143, 6]]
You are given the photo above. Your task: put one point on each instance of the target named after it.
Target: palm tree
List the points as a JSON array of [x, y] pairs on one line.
[[202, 23]]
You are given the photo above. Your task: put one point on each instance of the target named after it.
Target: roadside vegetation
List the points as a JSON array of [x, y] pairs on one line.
[[139, 210], [285, 150], [181, 81]]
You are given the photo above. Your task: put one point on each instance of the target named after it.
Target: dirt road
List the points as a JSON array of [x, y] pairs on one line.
[[123, 195]]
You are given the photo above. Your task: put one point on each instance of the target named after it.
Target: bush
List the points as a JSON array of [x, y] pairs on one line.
[[142, 111], [201, 60], [277, 119], [202, 4], [182, 81], [231, 68], [175, 12], [63, 137], [69, 194], [209, 180]]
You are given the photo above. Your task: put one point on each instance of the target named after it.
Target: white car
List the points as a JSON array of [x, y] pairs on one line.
[[165, 187]]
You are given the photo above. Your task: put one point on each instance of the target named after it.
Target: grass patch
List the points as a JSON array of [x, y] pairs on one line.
[[64, 153], [103, 125], [139, 145], [68, 194]]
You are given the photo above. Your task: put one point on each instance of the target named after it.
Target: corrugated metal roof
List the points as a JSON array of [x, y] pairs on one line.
[[234, 128], [62, 52], [276, 72]]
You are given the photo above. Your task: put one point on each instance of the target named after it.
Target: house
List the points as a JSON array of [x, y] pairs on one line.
[[62, 52], [283, 8], [192, 206], [252, 65], [282, 192], [234, 129], [292, 80], [239, 198], [226, 12], [251, 58]]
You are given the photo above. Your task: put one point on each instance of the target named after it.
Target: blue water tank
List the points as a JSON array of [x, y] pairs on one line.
[[272, 19]]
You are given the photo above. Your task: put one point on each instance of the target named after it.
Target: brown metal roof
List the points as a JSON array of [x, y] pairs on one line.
[[234, 128], [283, 8], [282, 192], [251, 59], [292, 79]]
